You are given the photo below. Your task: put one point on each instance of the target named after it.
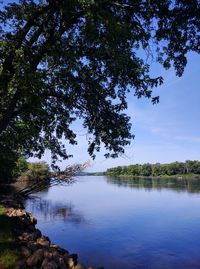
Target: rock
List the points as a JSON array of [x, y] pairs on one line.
[[59, 249], [37, 250], [43, 241], [46, 238], [36, 258], [25, 251], [71, 263], [21, 264], [71, 260], [30, 236], [79, 266], [19, 213], [56, 255], [31, 228], [36, 234], [33, 220], [48, 255], [65, 257], [9, 211], [61, 263], [32, 246], [59, 259], [44, 263], [54, 246], [20, 237], [26, 236], [23, 223], [74, 256], [50, 265]]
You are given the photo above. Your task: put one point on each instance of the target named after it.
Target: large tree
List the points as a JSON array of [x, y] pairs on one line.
[[62, 60]]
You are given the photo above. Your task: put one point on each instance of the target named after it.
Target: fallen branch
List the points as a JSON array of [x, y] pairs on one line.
[[27, 186]]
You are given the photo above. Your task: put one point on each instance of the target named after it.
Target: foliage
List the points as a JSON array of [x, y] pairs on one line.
[[38, 177], [35, 171], [8, 158], [171, 169], [2, 210], [11, 165], [8, 259], [67, 60], [13, 168], [21, 166]]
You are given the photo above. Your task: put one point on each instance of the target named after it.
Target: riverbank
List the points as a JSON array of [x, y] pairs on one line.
[[177, 176], [25, 245]]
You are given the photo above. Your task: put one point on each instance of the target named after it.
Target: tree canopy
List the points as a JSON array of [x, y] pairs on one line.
[[147, 169], [62, 60]]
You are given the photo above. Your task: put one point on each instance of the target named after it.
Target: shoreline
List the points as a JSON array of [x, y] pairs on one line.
[[178, 176], [35, 249]]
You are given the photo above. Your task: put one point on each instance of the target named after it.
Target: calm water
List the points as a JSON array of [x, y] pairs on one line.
[[123, 223]]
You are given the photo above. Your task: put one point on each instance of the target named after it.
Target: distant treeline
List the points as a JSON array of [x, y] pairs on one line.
[[147, 169]]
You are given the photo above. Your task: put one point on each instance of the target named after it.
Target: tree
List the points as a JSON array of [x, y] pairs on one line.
[[193, 167], [21, 166], [146, 169], [134, 170], [156, 169], [8, 160], [61, 60]]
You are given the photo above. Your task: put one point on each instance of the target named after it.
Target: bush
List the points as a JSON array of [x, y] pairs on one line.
[[36, 170], [21, 165]]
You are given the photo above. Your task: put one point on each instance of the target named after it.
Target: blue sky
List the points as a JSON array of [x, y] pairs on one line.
[[166, 132]]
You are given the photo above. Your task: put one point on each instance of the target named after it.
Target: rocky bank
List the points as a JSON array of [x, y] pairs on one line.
[[36, 250]]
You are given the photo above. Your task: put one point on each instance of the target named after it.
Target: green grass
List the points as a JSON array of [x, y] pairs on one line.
[[2, 210], [8, 259], [8, 253]]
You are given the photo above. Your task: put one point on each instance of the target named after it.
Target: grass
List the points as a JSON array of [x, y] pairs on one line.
[[2, 210], [8, 253], [8, 259]]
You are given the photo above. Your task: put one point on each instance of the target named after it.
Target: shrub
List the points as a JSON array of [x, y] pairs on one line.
[[36, 170]]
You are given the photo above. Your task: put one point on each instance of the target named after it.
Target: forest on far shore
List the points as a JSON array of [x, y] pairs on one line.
[[158, 169]]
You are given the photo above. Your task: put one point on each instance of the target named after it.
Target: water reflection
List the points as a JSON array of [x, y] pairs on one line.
[[49, 211], [124, 222], [190, 185]]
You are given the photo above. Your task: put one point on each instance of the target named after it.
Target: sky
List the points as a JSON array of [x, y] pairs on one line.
[[166, 132]]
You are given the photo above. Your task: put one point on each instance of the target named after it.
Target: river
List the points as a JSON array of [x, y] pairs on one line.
[[123, 223]]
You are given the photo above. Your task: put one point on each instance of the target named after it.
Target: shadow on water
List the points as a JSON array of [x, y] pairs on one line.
[[189, 185], [49, 211]]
